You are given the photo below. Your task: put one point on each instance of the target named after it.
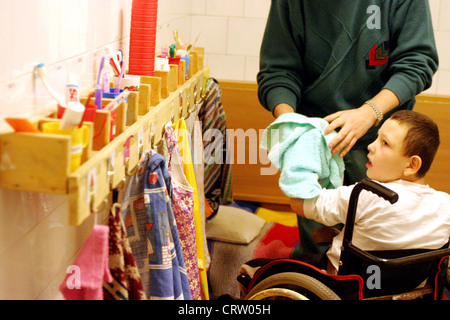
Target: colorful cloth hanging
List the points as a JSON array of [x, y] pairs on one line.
[[197, 156], [126, 284], [181, 133], [152, 231], [218, 174], [84, 279], [183, 209]]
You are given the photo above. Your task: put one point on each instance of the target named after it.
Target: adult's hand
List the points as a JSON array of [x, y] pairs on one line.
[[354, 124]]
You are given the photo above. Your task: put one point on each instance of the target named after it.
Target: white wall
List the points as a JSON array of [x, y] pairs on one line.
[[440, 10], [232, 31], [36, 243]]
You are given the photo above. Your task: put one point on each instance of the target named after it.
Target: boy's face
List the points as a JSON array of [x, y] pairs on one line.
[[386, 159]]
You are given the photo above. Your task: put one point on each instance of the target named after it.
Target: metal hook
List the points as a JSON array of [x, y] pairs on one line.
[[152, 140], [127, 168], [110, 170]]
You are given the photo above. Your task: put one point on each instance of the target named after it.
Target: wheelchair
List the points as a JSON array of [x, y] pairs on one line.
[[363, 275]]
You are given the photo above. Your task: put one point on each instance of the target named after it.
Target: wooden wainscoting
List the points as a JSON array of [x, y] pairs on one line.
[[254, 180]]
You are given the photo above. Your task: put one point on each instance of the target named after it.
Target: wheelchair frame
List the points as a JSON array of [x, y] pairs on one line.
[[292, 267]]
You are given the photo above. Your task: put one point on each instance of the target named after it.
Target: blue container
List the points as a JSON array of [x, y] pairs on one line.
[[111, 94], [186, 58]]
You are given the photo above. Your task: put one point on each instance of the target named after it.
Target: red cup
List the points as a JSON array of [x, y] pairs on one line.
[[145, 12], [143, 24], [141, 70], [142, 64], [174, 60], [144, 18], [144, 5], [142, 46], [135, 56], [60, 111], [147, 31], [141, 43], [143, 37], [141, 50]]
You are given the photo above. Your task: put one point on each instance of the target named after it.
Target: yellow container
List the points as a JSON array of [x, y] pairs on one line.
[[80, 139]]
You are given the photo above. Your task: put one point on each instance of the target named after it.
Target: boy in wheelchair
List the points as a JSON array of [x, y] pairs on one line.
[[402, 235], [399, 159]]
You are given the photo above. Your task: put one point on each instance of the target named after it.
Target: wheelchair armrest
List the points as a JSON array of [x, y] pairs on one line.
[[324, 236], [380, 190], [402, 261], [369, 185]]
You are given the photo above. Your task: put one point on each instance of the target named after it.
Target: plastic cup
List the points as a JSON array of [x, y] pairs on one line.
[[144, 5], [144, 24], [129, 82], [143, 37], [141, 43], [186, 58], [79, 140], [144, 18], [175, 60], [142, 31], [142, 50]]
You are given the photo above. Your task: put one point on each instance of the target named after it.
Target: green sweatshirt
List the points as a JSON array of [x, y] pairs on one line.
[[322, 56]]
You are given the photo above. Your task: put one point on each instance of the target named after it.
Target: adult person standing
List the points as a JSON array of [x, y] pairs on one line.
[[350, 62]]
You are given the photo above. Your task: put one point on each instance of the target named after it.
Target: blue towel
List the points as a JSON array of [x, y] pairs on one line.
[[299, 149]]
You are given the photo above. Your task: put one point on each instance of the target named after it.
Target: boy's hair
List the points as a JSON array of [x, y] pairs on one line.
[[422, 137]]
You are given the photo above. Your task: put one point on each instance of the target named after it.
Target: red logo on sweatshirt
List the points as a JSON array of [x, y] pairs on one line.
[[378, 55]]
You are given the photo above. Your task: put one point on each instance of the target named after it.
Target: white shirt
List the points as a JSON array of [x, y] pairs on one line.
[[420, 219]]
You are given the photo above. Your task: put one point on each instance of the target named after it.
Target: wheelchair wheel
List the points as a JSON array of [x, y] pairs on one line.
[[304, 285], [278, 294]]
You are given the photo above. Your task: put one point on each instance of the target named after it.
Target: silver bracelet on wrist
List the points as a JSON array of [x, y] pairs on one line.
[[377, 111]]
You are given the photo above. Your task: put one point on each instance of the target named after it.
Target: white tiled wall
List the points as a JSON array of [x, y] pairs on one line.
[[231, 32], [440, 11], [36, 243]]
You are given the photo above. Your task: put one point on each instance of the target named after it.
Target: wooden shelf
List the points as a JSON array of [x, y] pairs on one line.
[[40, 162]]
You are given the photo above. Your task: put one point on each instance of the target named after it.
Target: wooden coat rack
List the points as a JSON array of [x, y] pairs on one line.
[[40, 162]]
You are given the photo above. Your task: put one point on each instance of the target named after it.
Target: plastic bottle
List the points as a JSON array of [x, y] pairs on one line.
[[72, 91]]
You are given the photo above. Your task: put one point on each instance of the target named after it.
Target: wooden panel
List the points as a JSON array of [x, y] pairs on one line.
[[145, 93], [173, 77], [438, 108], [181, 72], [245, 118], [245, 113], [34, 161], [164, 76], [155, 84], [133, 108]]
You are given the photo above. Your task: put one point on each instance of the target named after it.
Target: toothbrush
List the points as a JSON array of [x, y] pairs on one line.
[[115, 103], [119, 80], [109, 52], [42, 72], [189, 48], [98, 88]]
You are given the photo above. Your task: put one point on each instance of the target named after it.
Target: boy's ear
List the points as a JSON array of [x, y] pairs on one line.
[[415, 163]]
